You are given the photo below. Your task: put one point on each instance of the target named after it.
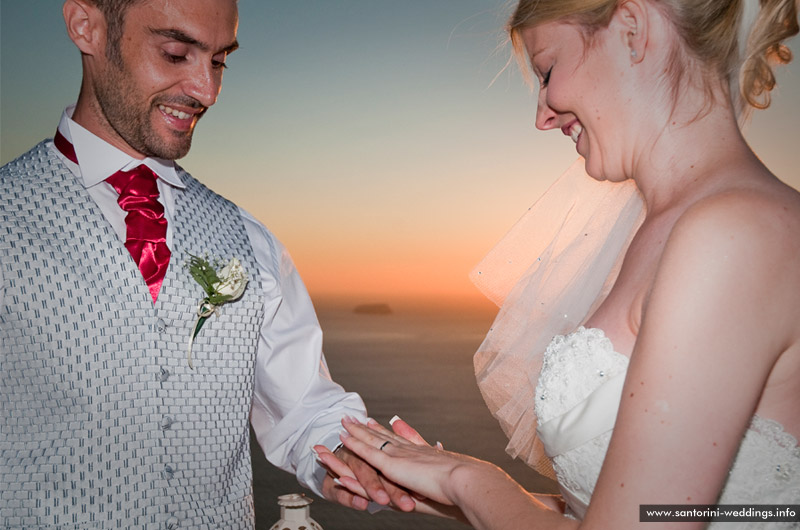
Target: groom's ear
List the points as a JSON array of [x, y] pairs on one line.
[[86, 26]]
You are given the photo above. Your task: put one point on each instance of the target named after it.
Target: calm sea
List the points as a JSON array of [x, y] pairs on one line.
[[415, 362]]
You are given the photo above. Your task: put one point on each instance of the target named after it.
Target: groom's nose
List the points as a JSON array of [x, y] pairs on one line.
[[203, 83]]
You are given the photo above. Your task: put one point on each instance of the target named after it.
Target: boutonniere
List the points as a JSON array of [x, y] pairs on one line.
[[225, 285]]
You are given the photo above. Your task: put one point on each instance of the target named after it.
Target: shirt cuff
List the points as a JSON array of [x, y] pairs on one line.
[[333, 443]]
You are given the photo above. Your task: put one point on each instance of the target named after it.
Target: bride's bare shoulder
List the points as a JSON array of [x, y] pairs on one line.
[[763, 216], [749, 234]]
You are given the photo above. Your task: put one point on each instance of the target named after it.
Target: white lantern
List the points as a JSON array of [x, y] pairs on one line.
[[295, 513]]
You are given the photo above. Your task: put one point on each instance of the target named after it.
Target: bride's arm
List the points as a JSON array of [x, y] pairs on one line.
[[486, 495], [712, 329], [403, 429], [403, 433]]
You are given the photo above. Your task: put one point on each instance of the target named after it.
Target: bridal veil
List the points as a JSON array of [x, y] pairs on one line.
[[555, 265]]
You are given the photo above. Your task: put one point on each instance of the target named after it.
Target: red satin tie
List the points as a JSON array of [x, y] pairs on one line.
[[146, 238], [146, 226]]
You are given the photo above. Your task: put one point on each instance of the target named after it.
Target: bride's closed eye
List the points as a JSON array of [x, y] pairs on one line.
[[546, 78], [543, 74]]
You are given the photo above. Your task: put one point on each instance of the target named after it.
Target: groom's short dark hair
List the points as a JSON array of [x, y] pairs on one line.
[[114, 13]]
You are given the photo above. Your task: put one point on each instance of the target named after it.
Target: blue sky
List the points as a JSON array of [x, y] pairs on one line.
[[369, 135]]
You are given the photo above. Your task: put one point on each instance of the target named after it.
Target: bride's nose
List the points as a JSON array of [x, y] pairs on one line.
[[546, 118]]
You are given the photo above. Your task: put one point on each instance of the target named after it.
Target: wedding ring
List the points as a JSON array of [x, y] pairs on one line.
[[384, 444]]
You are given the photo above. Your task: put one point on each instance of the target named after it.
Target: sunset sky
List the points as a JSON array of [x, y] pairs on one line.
[[382, 141]]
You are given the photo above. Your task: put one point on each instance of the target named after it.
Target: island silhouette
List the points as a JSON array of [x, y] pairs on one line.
[[373, 309]]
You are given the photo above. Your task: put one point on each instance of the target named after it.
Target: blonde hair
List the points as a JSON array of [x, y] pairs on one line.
[[776, 22], [708, 29]]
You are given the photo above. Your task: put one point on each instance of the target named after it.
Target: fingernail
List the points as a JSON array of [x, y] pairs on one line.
[[439, 445], [344, 435], [337, 482], [318, 458], [371, 421], [394, 419]]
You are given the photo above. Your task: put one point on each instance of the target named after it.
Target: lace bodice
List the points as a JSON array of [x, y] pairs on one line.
[[577, 398]]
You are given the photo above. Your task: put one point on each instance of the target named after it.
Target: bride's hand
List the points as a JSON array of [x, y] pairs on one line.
[[429, 471], [401, 428], [423, 504]]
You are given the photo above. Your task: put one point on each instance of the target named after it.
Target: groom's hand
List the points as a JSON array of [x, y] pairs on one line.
[[375, 487]]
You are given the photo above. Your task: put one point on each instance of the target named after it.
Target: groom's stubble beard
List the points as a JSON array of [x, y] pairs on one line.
[[130, 113]]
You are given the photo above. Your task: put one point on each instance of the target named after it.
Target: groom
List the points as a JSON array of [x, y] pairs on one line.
[[104, 423]]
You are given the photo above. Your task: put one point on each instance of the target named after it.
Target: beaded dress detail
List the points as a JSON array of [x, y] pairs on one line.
[[577, 397]]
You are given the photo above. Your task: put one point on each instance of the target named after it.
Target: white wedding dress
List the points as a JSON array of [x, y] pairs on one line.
[[577, 397]]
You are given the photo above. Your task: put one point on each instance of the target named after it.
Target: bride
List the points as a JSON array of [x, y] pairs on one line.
[[674, 374]]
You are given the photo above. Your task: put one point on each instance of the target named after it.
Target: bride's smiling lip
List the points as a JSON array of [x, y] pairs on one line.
[[572, 129], [567, 128]]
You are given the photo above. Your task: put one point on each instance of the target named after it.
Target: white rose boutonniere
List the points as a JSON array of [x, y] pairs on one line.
[[220, 287]]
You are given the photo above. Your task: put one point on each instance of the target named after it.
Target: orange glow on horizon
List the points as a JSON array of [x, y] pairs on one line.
[[385, 276]]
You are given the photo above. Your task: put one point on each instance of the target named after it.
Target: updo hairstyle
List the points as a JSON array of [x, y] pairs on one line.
[[709, 30]]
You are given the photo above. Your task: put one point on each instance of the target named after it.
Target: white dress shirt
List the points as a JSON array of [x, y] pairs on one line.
[[296, 405]]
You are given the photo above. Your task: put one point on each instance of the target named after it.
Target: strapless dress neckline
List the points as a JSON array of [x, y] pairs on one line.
[[577, 398]]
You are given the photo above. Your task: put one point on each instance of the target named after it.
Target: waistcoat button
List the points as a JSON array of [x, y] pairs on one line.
[[166, 423], [161, 326], [163, 374], [168, 472], [173, 522]]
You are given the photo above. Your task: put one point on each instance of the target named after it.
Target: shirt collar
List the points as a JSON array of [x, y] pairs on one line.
[[99, 160]]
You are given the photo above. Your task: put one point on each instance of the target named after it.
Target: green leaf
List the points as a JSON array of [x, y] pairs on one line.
[[203, 273], [218, 299]]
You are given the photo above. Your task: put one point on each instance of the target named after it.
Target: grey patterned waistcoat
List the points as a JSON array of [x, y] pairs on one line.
[[102, 423]]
